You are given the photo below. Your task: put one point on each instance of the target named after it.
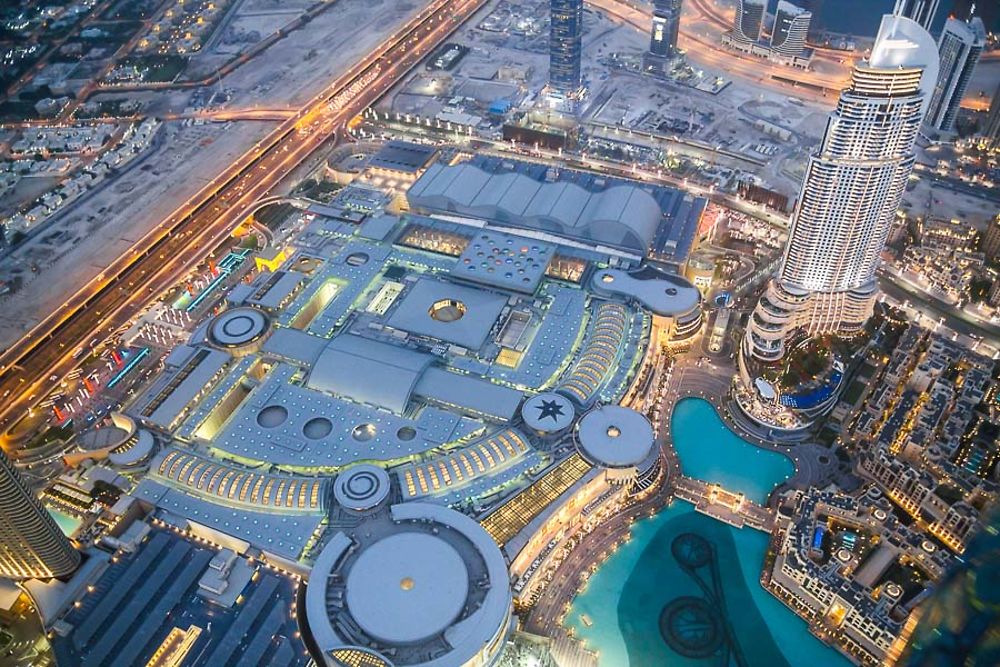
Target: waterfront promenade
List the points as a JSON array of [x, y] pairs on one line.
[[693, 376]]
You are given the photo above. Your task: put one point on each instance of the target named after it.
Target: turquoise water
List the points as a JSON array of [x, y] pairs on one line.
[[67, 522], [709, 451], [643, 588]]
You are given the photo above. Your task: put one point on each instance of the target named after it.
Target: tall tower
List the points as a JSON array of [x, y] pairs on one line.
[[749, 19], [791, 26], [852, 189], [921, 11], [991, 129], [566, 45], [960, 46], [991, 240], [666, 26], [31, 544]]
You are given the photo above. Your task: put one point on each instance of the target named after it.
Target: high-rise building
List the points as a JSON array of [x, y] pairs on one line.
[[31, 544], [749, 19], [566, 45], [791, 27], [814, 7], [852, 189], [666, 26], [921, 11], [991, 240], [961, 44], [991, 129]]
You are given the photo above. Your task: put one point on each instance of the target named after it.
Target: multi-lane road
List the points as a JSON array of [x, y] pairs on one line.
[[829, 75], [32, 367]]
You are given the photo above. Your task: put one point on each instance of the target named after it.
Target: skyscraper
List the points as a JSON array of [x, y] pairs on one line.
[[565, 45], [991, 240], [852, 189], [666, 25], [31, 544], [991, 129], [791, 26], [921, 11], [961, 44], [749, 19]]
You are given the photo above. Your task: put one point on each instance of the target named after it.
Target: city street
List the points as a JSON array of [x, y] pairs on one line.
[[31, 367]]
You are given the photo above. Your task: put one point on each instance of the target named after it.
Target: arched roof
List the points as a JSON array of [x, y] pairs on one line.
[[368, 371], [621, 215]]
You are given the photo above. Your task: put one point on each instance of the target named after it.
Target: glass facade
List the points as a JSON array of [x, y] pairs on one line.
[[565, 45], [666, 24]]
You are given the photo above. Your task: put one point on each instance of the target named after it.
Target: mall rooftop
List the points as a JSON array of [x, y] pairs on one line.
[[639, 218], [412, 346]]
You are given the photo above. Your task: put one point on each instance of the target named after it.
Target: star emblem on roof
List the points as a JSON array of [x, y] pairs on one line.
[[550, 409]]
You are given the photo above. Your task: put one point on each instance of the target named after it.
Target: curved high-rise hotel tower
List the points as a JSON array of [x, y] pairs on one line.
[[31, 544], [960, 46], [749, 19], [921, 11], [791, 26], [852, 189]]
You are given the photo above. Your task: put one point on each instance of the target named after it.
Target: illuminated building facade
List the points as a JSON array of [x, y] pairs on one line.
[[921, 11], [566, 46], [31, 544], [749, 19], [853, 186], [791, 26], [960, 46]]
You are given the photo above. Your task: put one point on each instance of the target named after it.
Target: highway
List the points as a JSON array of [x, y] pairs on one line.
[[32, 367]]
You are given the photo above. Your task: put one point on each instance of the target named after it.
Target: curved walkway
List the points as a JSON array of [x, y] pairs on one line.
[[814, 464], [709, 381]]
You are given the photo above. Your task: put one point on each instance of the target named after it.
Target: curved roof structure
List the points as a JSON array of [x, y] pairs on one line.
[[622, 215], [548, 412], [407, 587], [134, 451], [615, 437], [463, 466], [368, 371], [903, 43], [598, 357], [421, 583], [663, 293], [361, 487], [236, 486], [237, 327]]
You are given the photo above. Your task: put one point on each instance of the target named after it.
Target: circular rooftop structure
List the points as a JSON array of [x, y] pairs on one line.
[[103, 438], [134, 451], [407, 588], [615, 437], [548, 413], [361, 487], [238, 327], [119, 440], [420, 583]]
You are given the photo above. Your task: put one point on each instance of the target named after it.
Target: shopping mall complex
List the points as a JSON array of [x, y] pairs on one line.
[[409, 406]]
